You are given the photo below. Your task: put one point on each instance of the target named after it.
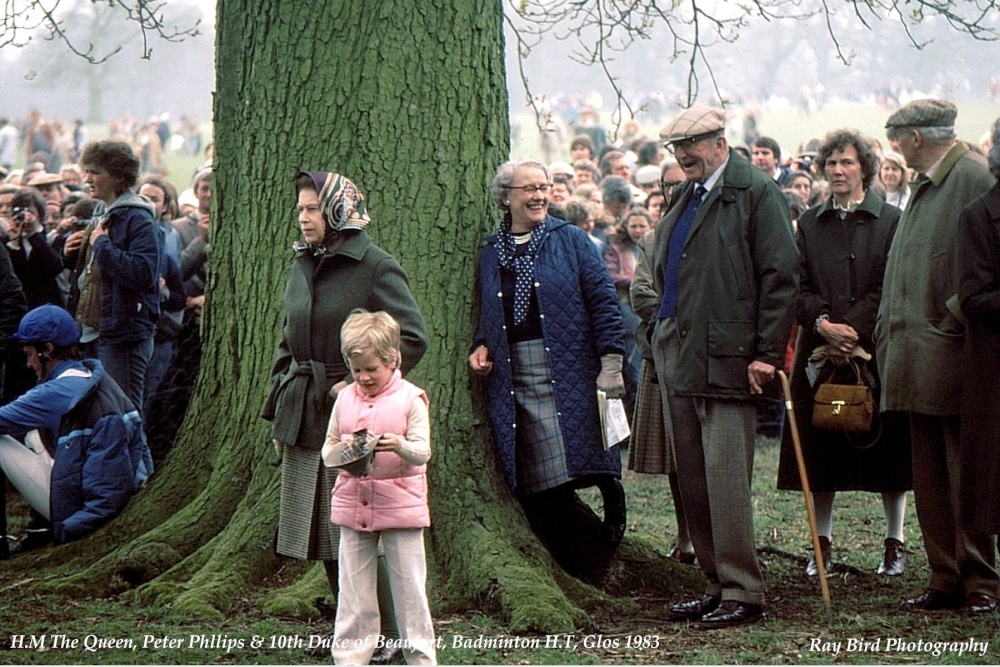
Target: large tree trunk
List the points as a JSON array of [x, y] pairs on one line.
[[410, 101]]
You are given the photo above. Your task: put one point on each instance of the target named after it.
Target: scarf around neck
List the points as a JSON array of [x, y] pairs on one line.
[[521, 265]]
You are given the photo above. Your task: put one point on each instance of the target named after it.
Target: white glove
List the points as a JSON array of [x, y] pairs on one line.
[[610, 380]]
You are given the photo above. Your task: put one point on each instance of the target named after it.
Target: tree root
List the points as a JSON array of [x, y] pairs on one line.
[[302, 599]]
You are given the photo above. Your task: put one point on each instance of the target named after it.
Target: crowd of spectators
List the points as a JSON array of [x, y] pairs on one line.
[[98, 230], [847, 199]]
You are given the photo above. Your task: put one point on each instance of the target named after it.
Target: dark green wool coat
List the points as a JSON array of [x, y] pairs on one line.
[[319, 295]]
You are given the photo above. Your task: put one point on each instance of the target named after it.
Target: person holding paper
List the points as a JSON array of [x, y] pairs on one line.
[[549, 336]]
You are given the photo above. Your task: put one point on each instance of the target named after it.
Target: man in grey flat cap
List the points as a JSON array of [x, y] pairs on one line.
[[919, 336], [724, 266]]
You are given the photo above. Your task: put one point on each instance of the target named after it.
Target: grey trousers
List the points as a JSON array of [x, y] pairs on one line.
[[713, 445], [961, 563]]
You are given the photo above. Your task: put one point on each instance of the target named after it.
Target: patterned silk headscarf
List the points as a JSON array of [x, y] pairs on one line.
[[342, 204]]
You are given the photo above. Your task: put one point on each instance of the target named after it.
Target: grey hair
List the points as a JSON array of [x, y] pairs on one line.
[[994, 155], [615, 189], [937, 134], [506, 172]]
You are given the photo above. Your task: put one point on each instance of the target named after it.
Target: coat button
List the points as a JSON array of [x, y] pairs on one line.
[[741, 348], [538, 284], [364, 503], [500, 294], [364, 525]]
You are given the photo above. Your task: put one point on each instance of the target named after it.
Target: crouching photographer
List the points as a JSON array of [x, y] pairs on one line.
[[82, 452]]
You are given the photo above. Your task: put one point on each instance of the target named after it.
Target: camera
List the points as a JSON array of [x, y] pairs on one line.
[[18, 214]]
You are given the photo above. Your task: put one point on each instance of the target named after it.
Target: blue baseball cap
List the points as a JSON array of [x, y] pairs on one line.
[[48, 324]]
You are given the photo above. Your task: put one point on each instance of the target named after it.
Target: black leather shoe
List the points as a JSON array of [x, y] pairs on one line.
[[33, 538], [894, 559], [692, 610], [825, 547], [931, 600], [386, 656], [980, 603], [730, 614]]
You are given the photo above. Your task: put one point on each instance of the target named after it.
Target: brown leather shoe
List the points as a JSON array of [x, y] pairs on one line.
[[693, 610], [893, 560], [730, 614], [387, 655], [980, 603], [932, 600], [682, 556]]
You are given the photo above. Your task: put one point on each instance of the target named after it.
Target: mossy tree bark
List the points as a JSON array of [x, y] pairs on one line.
[[409, 100]]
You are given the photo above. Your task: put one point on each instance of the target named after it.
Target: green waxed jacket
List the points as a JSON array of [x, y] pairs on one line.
[[919, 332], [738, 279]]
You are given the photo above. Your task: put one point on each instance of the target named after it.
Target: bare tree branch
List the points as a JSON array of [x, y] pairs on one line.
[[602, 28], [22, 20]]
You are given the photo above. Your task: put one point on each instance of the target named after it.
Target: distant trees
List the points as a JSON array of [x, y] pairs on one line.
[[66, 60]]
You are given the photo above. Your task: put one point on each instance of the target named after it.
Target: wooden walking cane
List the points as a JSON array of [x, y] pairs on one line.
[[810, 511]]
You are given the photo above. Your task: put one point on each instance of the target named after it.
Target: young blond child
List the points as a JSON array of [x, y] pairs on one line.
[[389, 501]]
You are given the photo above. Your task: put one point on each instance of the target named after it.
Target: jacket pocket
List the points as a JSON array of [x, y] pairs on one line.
[[730, 348]]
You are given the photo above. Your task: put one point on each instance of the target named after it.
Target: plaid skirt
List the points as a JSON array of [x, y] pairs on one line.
[[648, 447], [304, 528], [540, 450]]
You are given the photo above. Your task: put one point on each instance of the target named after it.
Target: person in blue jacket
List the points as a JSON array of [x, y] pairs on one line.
[[81, 453], [550, 335], [126, 252]]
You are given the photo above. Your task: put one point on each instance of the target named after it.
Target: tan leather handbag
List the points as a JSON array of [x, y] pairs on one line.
[[844, 407]]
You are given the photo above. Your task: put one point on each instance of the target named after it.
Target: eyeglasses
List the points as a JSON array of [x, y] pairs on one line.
[[687, 142], [545, 188]]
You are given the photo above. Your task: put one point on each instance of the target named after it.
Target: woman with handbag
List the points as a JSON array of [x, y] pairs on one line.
[[843, 244]]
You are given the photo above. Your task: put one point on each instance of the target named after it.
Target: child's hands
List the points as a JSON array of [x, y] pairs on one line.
[[390, 442]]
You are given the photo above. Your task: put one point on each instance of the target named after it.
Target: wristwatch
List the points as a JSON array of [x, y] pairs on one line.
[[824, 316]]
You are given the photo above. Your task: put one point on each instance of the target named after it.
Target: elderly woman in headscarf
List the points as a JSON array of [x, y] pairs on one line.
[[336, 269], [550, 335]]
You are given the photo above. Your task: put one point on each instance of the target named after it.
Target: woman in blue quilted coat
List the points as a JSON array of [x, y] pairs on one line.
[[550, 335]]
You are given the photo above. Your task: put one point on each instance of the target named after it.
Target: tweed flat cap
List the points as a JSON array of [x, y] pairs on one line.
[[45, 179], [924, 113], [693, 122]]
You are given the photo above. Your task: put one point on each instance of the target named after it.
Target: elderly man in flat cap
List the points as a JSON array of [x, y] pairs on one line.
[[724, 267], [919, 336]]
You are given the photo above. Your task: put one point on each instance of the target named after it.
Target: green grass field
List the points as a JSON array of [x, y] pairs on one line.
[[865, 608]]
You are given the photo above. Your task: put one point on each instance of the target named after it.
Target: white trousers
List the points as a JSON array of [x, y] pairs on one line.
[[28, 466], [356, 629]]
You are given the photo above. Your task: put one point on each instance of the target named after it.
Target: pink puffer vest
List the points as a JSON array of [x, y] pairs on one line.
[[394, 493]]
